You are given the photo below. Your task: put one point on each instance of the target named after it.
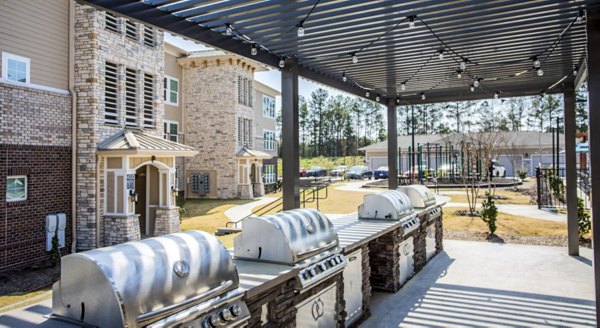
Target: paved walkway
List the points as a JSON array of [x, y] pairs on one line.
[[239, 212], [529, 211], [484, 284]]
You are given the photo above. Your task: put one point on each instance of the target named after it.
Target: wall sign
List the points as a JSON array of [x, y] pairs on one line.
[[131, 181]]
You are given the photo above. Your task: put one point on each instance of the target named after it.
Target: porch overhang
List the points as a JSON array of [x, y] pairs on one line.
[[246, 153], [138, 143]]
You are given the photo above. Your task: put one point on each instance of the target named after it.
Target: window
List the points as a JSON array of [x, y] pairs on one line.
[[245, 134], [111, 115], [171, 90], [269, 140], [269, 175], [171, 131], [148, 101], [244, 91], [15, 68], [131, 111], [131, 30], [111, 22], [269, 106], [149, 39], [16, 188]]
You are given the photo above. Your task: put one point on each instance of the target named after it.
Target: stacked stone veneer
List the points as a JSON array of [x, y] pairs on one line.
[[35, 141], [420, 256], [282, 299], [212, 110], [121, 229], [94, 45], [167, 221]]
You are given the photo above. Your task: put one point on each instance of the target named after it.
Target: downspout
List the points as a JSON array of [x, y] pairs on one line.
[[73, 126], [98, 158]]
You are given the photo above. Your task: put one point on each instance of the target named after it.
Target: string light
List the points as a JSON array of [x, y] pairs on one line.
[[540, 72], [300, 29], [398, 100], [253, 49], [580, 16], [536, 63], [423, 96], [476, 82], [496, 95], [459, 74], [344, 78], [463, 65], [441, 54], [228, 30], [282, 62], [575, 70], [403, 86], [472, 88], [354, 58], [411, 22], [377, 98], [367, 94]]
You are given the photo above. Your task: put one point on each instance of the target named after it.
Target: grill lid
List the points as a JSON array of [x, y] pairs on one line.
[[388, 205], [419, 195], [140, 282], [288, 237]]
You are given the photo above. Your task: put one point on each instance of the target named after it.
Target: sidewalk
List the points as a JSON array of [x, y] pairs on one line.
[[239, 212], [529, 211]]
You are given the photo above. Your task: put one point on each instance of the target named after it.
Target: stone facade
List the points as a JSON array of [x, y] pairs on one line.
[[211, 119], [385, 261], [94, 46], [167, 221], [121, 229]]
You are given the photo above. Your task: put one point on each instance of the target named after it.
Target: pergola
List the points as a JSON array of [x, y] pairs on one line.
[[406, 52]]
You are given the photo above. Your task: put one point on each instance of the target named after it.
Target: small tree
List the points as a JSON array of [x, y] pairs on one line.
[[489, 212], [55, 250], [584, 224]]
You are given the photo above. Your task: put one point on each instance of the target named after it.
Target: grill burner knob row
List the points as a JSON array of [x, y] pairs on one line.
[[332, 261], [235, 310]]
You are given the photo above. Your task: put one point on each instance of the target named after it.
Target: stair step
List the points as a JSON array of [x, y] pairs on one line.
[[226, 231]]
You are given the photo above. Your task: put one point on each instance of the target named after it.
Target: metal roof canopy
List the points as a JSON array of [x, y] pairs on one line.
[[498, 38]]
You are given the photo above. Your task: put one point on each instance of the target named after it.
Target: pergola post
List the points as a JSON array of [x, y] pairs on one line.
[[593, 46], [290, 136], [392, 131], [571, 172]]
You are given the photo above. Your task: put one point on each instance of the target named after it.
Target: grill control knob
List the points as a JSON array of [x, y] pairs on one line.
[[305, 275], [332, 261], [216, 320], [226, 314], [340, 259], [312, 272], [235, 310], [322, 267]]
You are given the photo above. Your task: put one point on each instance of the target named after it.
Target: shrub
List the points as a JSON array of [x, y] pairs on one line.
[[522, 173], [584, 224], [55, 250], [489, 212]]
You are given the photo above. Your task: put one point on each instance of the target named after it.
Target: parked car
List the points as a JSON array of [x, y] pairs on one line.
[[317, 171], [381, 172], [499, 169], [303, 172], [339, 171], [359, 173]]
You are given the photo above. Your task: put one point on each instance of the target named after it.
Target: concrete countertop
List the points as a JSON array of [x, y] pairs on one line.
[[256, 277]]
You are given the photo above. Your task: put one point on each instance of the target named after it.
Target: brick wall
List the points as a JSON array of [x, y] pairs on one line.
[[22, 224]]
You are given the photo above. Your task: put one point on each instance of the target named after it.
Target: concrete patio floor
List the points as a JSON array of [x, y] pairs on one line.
[[480, 284]]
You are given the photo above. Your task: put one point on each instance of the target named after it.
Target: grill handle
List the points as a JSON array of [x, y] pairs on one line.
[[167, 310], [318, 249]]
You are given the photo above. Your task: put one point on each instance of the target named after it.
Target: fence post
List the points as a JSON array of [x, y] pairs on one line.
[[538, 176]]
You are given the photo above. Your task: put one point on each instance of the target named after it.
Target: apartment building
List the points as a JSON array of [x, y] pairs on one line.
[[266, 131], [103, 124]]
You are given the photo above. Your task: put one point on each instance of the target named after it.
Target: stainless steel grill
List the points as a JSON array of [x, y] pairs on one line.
[[419, 195], [389, 205], [186, 279], [302, 238]]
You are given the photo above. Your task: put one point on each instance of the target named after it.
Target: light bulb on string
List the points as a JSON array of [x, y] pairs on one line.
[[228, 30], [580, 16], [540, 72], [411, 22], [476, 82], [536, 63], [472, 88], [253, 49], [300, 30], [354, 58], [463, 65], [575, 70], [398, 100], [423, 96], [441, 54], [377, 98], [344, 78], [282, 63], [367, 94], [459, 74], [403, 86], [496, 95]]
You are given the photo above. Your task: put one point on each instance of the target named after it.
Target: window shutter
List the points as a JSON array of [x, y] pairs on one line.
[[111, 22], [149, 39], [111, 115], [149, 101], [131, 30], [131, 112]]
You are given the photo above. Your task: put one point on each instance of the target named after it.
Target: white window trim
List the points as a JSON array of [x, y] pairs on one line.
[[5, 57], [168, 122], [274, 107], [26, 187], [168, 89], [273, 141]]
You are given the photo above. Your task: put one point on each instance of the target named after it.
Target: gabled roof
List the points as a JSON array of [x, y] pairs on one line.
[[134, 142], [251, 153]]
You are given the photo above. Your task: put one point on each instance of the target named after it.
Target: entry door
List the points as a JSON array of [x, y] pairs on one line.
[[140, 205]]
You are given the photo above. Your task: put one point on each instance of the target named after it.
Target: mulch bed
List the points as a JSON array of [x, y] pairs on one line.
[[28, 280], [524, 240]]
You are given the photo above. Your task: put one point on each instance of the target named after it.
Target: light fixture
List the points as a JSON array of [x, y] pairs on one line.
[[423, 96], [398, 100], [476, 82], [403, 86], [228, 30], [282, 62], [540, 72], [575, 70], [580, 16], [367, 94], [354, 58], [459, 74], [300, 29], [441, 54], [411, 22], [253, 49], [463, 65], [344, 78], [544, 93], [472, 88], [377, 98], [536, 62], [496, 95]]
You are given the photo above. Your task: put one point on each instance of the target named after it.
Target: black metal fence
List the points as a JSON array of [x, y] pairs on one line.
[[551, 186]]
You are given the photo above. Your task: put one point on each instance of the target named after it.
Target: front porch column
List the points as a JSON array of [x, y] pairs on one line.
[[593, 48], [392, 123], [290, 135], [571, 164]]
